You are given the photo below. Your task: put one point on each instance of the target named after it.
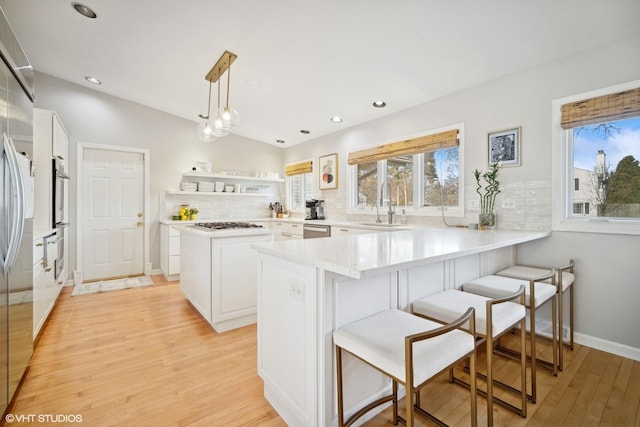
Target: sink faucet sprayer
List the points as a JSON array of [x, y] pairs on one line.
[[390, 212]]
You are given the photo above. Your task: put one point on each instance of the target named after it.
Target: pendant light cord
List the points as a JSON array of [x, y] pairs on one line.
[[209, 104], [228, 82], [218, 91]]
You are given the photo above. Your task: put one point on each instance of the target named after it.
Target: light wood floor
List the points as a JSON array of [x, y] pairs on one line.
[[144, 357]]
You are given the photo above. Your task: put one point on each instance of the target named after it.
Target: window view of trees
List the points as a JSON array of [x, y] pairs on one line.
[[607, 168], [441, 173], [439, 180], [400, 175], [367, 184]]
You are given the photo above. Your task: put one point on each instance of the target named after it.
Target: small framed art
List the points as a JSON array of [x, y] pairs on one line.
[[504, 147], [328, 171]]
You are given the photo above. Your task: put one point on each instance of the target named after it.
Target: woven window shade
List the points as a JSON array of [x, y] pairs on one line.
[[299, 168], [421, 144], [606, 108]]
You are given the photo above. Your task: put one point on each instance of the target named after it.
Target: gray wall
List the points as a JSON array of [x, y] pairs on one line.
[[608, 271], [92, 117]]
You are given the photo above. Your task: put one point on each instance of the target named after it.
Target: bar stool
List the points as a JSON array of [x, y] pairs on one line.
[[494, 317], [536, 294], [563, 280], [408, 349]]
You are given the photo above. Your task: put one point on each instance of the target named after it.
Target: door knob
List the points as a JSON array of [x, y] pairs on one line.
[[139, 224], [139, 214]]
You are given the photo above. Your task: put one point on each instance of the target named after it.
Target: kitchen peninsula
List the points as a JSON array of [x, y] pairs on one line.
[[308, 288]]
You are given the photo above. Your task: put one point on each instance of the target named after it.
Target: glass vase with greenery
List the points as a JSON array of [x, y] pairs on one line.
[[488, 188]]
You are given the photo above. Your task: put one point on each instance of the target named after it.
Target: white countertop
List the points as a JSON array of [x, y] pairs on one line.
[[332, 223], [358, 255], [229, 232]]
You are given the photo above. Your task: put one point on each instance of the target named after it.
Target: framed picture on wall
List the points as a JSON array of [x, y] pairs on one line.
[[328, 170], [504, 147]]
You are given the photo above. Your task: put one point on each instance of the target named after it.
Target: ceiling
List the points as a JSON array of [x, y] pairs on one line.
[[301, 62]]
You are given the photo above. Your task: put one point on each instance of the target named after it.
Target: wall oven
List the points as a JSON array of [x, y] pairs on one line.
[[59, 214]]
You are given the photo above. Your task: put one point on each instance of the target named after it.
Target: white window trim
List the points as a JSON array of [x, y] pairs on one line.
[[562, 175], [288, 186], [425, 211]]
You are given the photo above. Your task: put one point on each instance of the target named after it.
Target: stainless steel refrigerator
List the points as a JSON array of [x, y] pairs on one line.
[[16, 212]]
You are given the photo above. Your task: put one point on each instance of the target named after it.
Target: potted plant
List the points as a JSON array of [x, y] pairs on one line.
[[487, 217]]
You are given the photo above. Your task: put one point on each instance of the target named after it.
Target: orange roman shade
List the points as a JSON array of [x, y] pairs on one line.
[[606, 108], [420, 144], [299, 168]]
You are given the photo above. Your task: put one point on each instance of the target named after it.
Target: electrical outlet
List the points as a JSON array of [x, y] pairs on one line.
[[296, 291], [508, 204]]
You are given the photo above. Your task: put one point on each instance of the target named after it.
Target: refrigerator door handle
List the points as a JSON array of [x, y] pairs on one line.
[[18, 208]]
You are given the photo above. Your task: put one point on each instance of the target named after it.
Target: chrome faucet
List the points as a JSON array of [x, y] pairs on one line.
[[390, 212]]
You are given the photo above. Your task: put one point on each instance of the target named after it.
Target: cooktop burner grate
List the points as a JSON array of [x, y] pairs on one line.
[[225, 225]]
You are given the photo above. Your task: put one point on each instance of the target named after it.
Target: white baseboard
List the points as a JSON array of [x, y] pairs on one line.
[[608, 346], [156, 271], [544, 328]]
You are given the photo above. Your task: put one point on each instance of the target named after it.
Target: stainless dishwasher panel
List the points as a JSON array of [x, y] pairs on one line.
[[313, 231]]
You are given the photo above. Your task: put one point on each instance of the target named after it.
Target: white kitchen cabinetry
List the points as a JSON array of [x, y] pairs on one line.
[[170, 252], [219, 277], [45, 288], [287, 230], [337, 231], [60, 143]]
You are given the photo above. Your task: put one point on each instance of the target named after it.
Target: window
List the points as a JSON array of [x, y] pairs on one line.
[[299, 183], [441, 178], [367, 182], [423, 173], [598, 148], [400, 176]]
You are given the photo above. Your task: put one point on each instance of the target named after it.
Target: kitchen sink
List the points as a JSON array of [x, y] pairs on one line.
[[383, 225]]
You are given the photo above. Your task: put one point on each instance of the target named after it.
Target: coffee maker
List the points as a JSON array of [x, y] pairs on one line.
[[314, 209]]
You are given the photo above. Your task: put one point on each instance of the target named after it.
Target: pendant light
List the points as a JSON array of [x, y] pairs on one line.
[[205, 131], [227, 118], [230, 117], [218, 127]]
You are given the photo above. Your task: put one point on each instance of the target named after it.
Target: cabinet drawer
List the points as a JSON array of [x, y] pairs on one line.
[[38, 251], [174, 232], [289, 228], [174, 265], [174, 245]]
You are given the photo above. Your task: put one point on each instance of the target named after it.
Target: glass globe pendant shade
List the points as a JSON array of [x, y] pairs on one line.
[[230, 118], [217, 127], [205, 132]]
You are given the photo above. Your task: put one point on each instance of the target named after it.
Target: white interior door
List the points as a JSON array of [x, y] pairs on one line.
[[113, 190]]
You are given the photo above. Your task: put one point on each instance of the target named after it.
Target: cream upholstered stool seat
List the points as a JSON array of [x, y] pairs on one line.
[[536, 294], [496, 316], [408, 349], [564, 280]]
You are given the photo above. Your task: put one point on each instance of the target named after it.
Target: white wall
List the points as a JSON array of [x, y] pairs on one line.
[[607, 265], [90, 116]]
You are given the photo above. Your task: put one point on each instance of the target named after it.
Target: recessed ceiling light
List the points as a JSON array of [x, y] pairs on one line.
[[336, 119], [93, 80], [280, 141], [306, 132], [379, 104], [84, 10]]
